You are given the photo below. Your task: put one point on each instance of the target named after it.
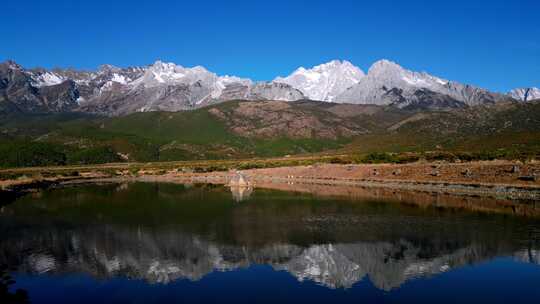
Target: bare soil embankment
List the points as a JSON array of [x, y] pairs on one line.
[[503, 180], [489, 187]]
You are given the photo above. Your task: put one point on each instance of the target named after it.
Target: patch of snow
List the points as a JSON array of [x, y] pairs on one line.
[[82, 81], [161, 73], [120, 79], [223, 81], [144, 109], [440, 81], [48, 79]]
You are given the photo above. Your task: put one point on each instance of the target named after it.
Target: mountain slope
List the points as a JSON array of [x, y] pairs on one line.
[[244, 129], [170, 87], [387, 83], [17, 93]]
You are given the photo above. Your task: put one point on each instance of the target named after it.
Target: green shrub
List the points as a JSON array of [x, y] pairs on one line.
[[408, 158], [378, 158], [491, 155], [465, 156], [97, 155], [30, 154], [250, 165], [337, 160], [216, 168], [199, 170], [440, 156]]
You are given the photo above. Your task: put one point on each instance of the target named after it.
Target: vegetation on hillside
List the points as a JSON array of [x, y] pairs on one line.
[[242, 130]]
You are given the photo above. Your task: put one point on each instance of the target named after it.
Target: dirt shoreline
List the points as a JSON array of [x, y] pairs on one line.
[[497, 179]]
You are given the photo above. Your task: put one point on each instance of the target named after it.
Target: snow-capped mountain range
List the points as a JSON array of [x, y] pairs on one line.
[[170, 87]]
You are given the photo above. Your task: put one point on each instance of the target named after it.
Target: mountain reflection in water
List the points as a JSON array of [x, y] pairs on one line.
[[164, 232]]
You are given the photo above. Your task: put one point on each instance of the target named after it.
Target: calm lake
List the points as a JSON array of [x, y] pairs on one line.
[[168, 243]]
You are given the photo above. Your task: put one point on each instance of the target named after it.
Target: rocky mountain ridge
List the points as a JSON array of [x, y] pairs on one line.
[[161, 86], [117, 91], [387, 83]]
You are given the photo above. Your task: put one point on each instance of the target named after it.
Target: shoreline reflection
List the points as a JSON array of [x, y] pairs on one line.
[[163, 233]]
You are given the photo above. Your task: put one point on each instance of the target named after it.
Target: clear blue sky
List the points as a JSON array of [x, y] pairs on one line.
[[493, 44]]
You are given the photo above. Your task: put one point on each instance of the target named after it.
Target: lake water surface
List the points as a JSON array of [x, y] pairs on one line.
[[163, 243]]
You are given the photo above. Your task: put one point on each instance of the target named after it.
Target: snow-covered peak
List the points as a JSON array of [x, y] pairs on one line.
[[334, 64], [160, 66], [525, 94], [47, 79], [106, 68], [199, 69], [170, 67], [324, 81], [384, 66], [388, 71], [167, 73]]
